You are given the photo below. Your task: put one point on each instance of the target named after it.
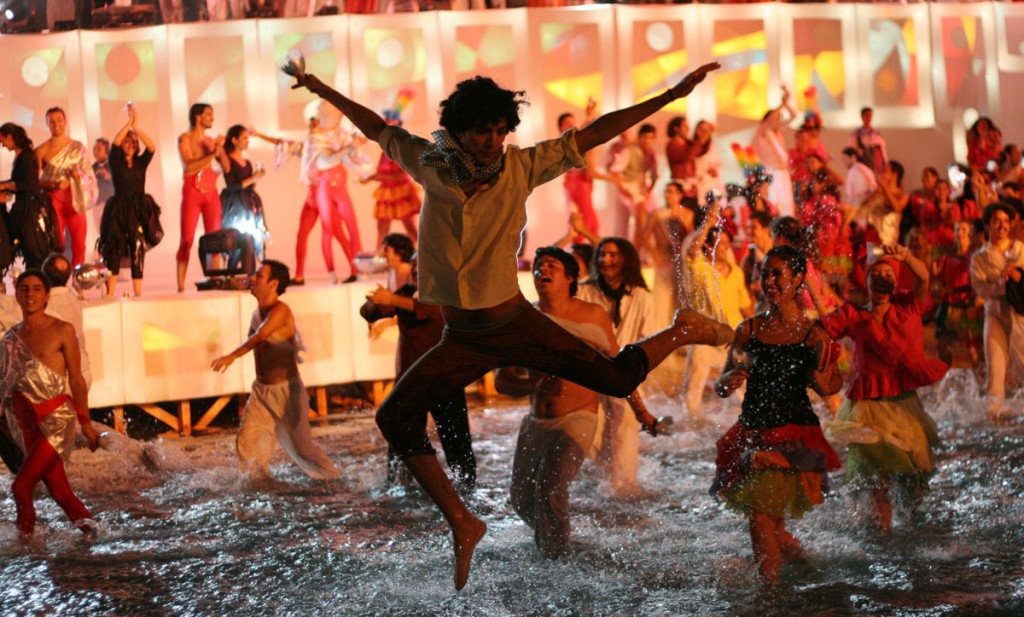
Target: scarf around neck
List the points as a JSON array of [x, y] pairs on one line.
[[615, 295], [447, 153]]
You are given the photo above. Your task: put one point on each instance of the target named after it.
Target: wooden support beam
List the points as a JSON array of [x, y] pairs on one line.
[[321, 400], [212, 412], [486, 385], [185, 417], [167, 418], [380, 390]]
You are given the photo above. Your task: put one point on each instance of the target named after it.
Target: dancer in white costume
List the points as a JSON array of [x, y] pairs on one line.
[[279, 403]]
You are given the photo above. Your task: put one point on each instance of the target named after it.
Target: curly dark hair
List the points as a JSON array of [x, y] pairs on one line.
[[401, 244], [478, 102]]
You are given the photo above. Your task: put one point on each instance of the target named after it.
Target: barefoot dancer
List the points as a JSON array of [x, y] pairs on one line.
[[473, 214], [199, 186], [890, 435], [772, 463]]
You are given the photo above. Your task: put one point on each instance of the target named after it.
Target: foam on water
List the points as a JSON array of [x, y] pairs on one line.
[[181, 533]]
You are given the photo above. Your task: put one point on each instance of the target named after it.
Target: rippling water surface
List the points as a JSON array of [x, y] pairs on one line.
[[181, 534]]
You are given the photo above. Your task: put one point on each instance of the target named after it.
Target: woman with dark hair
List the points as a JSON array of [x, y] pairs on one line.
[[883, 209], [982, 143], [890, 437], [617, 284], [773, 464], [242, 206], [129, 226], [31, 222]]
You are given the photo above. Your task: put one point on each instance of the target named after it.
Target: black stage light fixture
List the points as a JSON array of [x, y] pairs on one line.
[[225, 254]]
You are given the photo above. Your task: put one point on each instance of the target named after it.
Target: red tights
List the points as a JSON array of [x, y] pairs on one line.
[[43, 463], [307, 219], [75, 222]]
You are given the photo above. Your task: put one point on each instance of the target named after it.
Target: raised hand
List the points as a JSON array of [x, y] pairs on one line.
[[686, 86]]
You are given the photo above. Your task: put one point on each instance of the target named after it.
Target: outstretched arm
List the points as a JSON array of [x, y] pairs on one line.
[[614, 123], [365, 119]]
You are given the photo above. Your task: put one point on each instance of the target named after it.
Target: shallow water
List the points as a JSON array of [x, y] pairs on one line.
[[181, 534]]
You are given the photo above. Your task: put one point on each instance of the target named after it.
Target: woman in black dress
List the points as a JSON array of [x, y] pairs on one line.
[[242, 206], [129, 226], [30, 225]]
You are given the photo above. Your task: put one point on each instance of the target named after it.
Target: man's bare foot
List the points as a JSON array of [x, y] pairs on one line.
[[465, 538], [706, 330]]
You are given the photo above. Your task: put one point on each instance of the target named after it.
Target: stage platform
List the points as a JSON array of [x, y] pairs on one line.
[[156, 349]]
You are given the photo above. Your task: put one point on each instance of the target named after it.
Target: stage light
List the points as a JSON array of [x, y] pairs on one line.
[[15, 11], [19, 17], [224, 254]]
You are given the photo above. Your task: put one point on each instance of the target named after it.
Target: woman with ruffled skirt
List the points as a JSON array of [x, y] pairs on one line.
[[396, 199], [890, 436], [772, 464], [130, 223]]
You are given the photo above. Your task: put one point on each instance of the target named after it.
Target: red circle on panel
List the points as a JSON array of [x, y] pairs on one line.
[[122, 64]]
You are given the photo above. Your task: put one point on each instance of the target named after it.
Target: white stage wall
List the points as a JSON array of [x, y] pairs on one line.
[[927, 68]]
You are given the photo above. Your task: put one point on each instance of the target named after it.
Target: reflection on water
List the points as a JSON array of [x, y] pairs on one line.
[[182, 535]]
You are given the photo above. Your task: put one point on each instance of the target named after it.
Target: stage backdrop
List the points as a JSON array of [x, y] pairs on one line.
[[928, 69]]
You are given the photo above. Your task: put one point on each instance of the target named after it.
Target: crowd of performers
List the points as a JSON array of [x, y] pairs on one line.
[[55, 186], [763, 293]]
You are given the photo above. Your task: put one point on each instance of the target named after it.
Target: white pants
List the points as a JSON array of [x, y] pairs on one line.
[[617, 444], [281, 411], [1004, 343], [549, 452]]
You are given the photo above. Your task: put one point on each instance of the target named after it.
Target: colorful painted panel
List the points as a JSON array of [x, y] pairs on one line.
[[485, 50], [818, 59], [741, 87], [215, 74], [318, 50], [126, 71], [396, 67], [38, 81], [963, 49], [659, 60], [893, 49], [570, 64]]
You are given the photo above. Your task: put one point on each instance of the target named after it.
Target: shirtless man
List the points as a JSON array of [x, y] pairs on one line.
[[279, 403], [199, 188], [555, 437], [474, 212], [68, 177], [41, 361]]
